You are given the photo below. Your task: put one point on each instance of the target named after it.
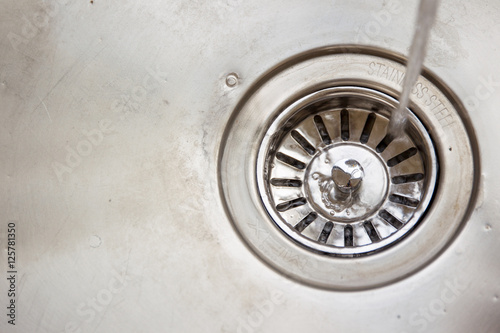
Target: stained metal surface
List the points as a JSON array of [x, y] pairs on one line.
[[112, 119]]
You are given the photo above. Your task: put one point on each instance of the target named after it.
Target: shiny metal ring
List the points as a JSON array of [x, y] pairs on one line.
[[259, 135]]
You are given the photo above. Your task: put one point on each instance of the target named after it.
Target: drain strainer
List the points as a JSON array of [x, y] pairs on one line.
[[318, 191], [334, 182]]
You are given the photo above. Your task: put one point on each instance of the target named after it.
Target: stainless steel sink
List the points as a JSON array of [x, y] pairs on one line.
[[142, 145]]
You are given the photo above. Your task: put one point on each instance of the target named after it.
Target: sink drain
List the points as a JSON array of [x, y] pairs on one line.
[[319, 192], [334, 182]]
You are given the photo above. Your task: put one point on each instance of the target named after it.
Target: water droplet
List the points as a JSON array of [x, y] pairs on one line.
[[347, 212], [95, 241], [272, 165], [315, 176], [327, 161], [487, 227], [495, 298], [332, 212]]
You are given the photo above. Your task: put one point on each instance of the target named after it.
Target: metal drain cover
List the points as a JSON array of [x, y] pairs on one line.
[[332, 180], [317, 189]]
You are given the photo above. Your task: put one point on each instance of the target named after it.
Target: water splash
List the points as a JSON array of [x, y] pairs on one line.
[[326, 187], [425, 20]]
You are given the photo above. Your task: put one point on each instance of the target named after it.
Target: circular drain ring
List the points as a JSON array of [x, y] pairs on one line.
[[305, 141], [433, 103]]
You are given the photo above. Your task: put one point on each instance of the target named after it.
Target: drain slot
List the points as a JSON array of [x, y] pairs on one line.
[[367, 130], [282, 207], [325, 233], [386, 141], [290, 161], [304, 223], [407, 178], [286, 182], [344, 123], [348, 236], [402, 157], [323, 133], [390, 219], [372, 233], [399, 199], [303, 142]]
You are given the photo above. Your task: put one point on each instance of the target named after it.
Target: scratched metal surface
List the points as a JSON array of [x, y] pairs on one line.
[[111, 119]]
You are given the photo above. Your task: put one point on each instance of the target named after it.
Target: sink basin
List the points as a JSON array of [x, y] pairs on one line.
[[123, 211]]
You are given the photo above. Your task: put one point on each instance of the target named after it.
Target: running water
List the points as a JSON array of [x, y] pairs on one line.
[[425, 20]]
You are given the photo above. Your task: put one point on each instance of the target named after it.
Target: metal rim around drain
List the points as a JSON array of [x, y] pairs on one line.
[[318, 134], [364, 81]]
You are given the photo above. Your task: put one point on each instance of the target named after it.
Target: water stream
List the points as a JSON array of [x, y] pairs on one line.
[[425, 20]]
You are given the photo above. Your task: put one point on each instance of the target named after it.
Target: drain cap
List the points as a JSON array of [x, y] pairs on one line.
[[347, 176]]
